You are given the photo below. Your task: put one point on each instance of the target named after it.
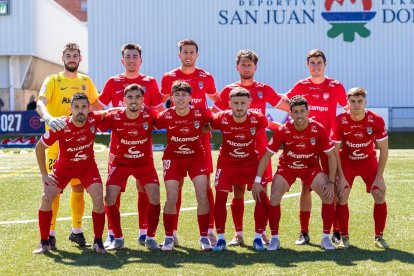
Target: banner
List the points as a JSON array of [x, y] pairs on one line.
[[21, 123]]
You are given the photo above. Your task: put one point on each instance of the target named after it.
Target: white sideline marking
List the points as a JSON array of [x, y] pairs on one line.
[[124, 214]]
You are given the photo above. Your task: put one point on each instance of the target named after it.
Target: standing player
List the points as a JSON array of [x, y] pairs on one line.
[[303, 140], [238, 158], [357, 131], [132, 129], [323, 94], [202, 84], [113, 92], [261, 94], [184, 154], [76, 159], [54, 102]]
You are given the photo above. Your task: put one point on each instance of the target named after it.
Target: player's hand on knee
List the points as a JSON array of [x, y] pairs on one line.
[[341, 186], [380, 184], [257, 188], [55, 123], [328, 191], [49, 180]]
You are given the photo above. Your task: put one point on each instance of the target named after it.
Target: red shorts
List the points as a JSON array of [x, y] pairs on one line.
[[207, 151], [229, 174], [323, 158], [367, 170], [144, 174], [88, 175], [175, 169], [261, 145], [307, 176]]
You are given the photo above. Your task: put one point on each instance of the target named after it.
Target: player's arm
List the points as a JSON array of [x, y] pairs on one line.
[[47, 179], [379, 182], [257, 187], [283, 104], [214, 97], [341, 184], [328, 192], [96, 106], [53, 123]]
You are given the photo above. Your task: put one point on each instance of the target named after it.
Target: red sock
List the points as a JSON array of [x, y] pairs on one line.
[[342, 213], [177, 207], [169, 220], [118, 204], [274, 215], [335, 220], [304, 217], [153, 219], [98, 224], [45, 218], [237, 211], [114, 217], [203, 223], [260, 213], [211, 202], [221, 211], [143, 205], [380, 217], [327, 217]]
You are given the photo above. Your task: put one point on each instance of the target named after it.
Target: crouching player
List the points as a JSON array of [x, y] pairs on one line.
[[184, 154], [76, 160], [132, 129], [358, 130], [238, 158], [303, 141]]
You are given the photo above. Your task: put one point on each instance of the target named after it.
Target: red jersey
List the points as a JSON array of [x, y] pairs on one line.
[[323, 98], [358, 137], [75, 143], [260, 93], [115, 85], [239, 139], [183, 132], [201, 82], [133, 136], [301, 149]]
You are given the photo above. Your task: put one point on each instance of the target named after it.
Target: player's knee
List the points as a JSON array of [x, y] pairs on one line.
[[154, 197], [275, 199], [140, 189], [47, 200], [110, 199], [343, 199], [379, 197]]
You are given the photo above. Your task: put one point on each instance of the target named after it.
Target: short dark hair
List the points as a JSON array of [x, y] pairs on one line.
[[79, 96], [239, 92], [72, 47], [187, 41], [133, 87], [298, 101], [316, 53], [181, 86], [131, 46], [247, 54], [357, 91]]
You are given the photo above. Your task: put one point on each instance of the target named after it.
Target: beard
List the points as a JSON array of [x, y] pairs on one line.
[[80, 118], [71, 69]]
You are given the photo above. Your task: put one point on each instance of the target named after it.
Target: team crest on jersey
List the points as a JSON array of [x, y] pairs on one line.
[[325, 96], [260, 94], [201, 84], [92, 129], [253, 130], [83, 87], [197, 124], [369, 130], [312, 141], [145, 125]]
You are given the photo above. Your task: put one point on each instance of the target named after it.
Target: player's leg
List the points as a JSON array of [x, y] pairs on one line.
[[113, 214], [280, 185], [153, 214], [203, 209], [77, 206], [220, 218], [45, 217], [143, 206], [95, 190], [319, 184], [237, 212], [51, 156], [209, 161], [178, 208], [170, 211], [305, 208]]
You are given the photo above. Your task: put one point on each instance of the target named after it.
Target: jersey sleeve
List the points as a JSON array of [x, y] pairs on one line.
[[105, 97], [263, 123], [93, 93], [326, 143], [211, 86], [335, 131], [273, 98], [207, 115], [295, 90], [106, 123], [381, 133], [223, 102], [48, 87], [154, 97], [166, 85], [276, 140], [215, 123], [160, 121], [342, 100], [50, 137]]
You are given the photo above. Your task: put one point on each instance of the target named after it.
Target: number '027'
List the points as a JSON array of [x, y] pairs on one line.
[[10, 122]]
